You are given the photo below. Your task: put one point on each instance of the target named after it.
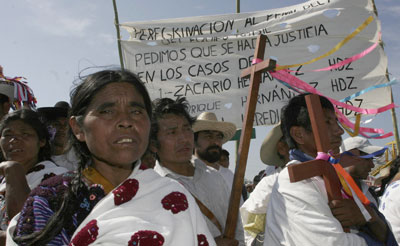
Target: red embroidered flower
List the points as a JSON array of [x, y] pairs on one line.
[[48, 175], [146, 238], [143, 167], [202, 240], [87, 235], [36, 168], [175, 201], [126, 191]]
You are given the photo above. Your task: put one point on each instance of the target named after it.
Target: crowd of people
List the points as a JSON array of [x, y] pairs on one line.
[[113, 167]]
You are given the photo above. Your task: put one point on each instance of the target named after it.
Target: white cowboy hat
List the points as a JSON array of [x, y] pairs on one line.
[[207, 121], [269, 151]]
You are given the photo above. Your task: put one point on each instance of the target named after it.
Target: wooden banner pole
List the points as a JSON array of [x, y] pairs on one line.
[[393, 112], [254, 72], [116, 22], [395, 127]]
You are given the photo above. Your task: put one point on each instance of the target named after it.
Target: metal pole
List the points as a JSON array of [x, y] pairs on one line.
[[237, 6], [116, 22]]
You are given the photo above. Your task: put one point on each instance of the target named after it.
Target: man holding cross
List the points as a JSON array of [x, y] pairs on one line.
[[300, 213], [172, 140]]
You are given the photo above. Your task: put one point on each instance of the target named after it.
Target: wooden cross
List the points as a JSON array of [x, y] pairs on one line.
[[254, 72], [305, 170]]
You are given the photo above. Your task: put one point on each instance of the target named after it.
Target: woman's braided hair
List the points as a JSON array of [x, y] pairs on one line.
[[81, 97]]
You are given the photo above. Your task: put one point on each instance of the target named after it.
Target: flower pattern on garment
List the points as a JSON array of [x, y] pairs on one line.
[[202, 240], [175, 201], [87, 235], [143, 167], [36, 168], [126, 191], [141, 219], [48, 175], [146, 238]]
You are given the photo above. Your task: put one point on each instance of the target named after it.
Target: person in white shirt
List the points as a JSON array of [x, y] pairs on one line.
[[223, 169], [172, 140], [300, 213], [390, 199], [274, 152]]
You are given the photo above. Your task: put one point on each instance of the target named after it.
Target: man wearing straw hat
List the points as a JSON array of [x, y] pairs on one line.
[[172, 140], [209, 136]]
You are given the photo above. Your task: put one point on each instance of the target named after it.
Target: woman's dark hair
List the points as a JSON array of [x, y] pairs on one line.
[[295, 113], [394, 169], [32, 119], [81, 97]]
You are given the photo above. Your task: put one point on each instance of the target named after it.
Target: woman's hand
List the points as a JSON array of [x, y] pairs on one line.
[[7, 167], [17, 189]]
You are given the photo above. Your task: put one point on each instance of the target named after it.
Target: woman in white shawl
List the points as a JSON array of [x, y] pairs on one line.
[[111, 199]]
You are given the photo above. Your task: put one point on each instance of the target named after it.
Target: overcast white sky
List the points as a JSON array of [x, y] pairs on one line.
[[51, 41]]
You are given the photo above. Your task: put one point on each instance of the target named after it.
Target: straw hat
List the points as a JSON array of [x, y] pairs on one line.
[[17, 91], [207, 121], [269, 151], [7, 89]]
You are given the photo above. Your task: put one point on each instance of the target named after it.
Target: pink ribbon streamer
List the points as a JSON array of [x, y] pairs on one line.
[[295, 82], [343, 119], [351, 59], [348, 60]]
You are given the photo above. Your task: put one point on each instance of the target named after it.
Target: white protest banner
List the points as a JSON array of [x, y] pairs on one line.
[[201, 58]]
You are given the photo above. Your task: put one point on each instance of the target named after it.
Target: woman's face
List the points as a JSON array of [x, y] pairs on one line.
[[115, 127], [20, 142]]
